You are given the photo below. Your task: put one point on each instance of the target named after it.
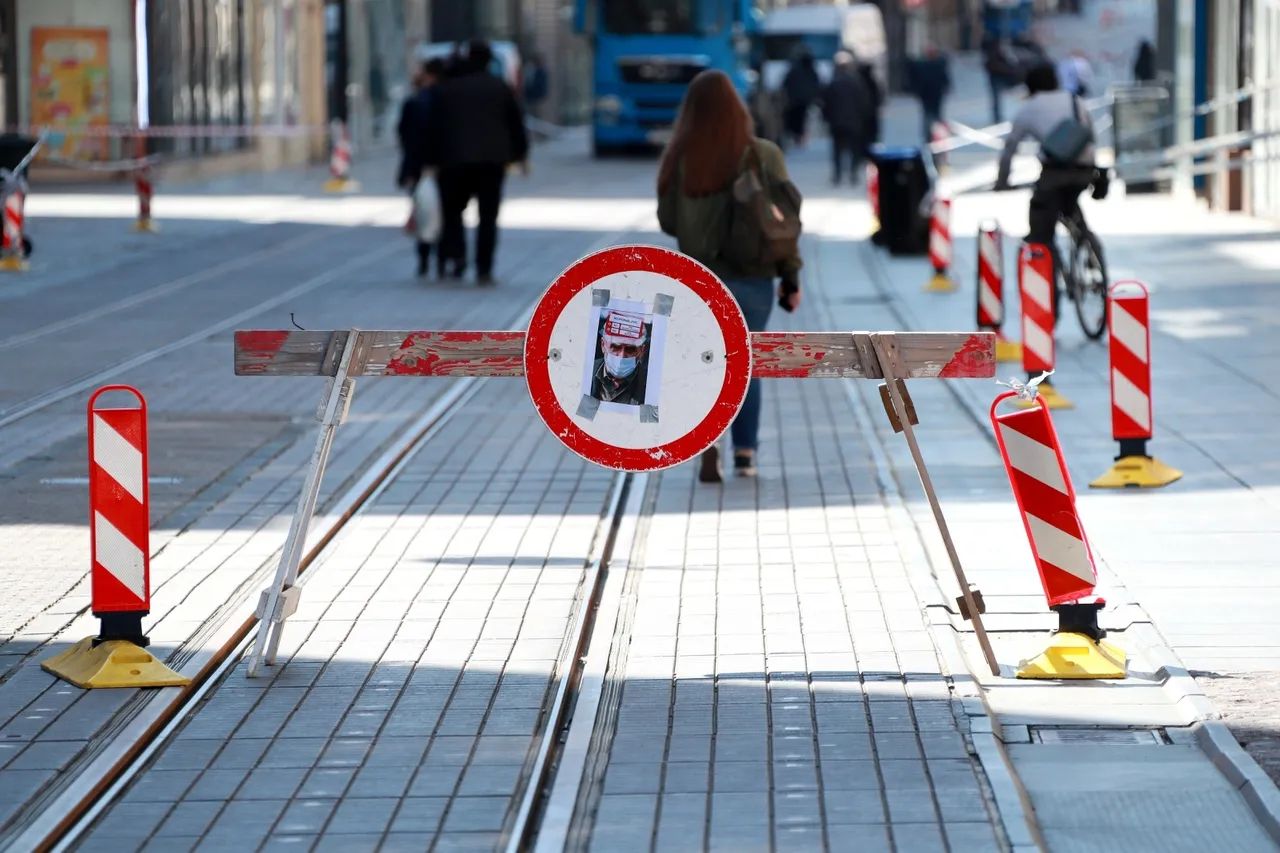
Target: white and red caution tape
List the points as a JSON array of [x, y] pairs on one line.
[[1130, 350], [990, 277], [14, 204], [340, 159], [940, 236]]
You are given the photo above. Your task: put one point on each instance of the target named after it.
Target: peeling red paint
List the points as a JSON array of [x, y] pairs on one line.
[[253, 348], [976, 359]]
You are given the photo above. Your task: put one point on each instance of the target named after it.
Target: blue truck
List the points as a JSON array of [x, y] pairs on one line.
[[645, 52]]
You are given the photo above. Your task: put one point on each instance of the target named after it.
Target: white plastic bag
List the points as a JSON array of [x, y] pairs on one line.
[[426, 211]]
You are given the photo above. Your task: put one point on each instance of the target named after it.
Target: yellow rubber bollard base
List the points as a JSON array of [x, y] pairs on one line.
[[13, 263], [940, 284], [1052, 398], [145, 226], [1075, 656], [1137, 472], [875, 224], [1008, 351], [115, 663], [338, 185]]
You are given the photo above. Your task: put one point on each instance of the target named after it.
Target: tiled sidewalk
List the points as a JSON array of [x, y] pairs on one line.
[[782, 690], [411, 686]]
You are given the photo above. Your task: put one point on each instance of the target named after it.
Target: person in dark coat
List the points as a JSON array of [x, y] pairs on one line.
[[1002, 71], [847, 107], [876, 94], [473, 133], [930, 80], [801, 87], [1144, 65], [409, 130]]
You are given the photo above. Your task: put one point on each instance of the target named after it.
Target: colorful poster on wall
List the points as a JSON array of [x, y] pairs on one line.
[[70, 88]]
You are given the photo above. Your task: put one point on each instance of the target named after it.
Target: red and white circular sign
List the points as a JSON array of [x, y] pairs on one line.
[[637, 358]]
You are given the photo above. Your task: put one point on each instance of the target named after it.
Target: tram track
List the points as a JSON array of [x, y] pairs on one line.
[[71, 812]]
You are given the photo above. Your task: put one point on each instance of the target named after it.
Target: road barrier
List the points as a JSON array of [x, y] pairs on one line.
[[990, 290], [1129, 324], [13, 255], [340, 161], [1035, 285], [142, 182], [940, 247], [1041, 486], [873, 194], [119, 535], [653, 293]]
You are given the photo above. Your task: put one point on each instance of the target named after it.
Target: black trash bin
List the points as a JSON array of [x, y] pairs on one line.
[[905, 182], [13, 148]]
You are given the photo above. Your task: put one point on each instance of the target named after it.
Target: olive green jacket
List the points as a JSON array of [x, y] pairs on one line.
[[701, 224]]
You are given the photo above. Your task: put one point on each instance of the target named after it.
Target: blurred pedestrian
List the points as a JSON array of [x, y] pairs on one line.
[[1002, 71], [1144, 64], [474, 132], [847, 107], [868, 74], [413, 116], [536, 87], [929, 79], [712, 145], [801, 87], [1075, 74]]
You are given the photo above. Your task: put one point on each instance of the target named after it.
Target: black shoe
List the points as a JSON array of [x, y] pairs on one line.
[[744, 463], [486, 280], [709, 466]]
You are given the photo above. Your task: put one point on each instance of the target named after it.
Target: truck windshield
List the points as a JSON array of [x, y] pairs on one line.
[[639, 17], [783, 45]]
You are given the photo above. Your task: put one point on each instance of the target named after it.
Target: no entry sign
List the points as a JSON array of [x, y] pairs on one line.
[[637, 358]]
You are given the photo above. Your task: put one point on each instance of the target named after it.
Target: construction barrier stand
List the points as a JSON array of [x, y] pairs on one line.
[[119, 535], [873, 194], [142, 181], [1035, 285], [340, 160], [1037, 471], [940, 247], [12, 252], [1132, 420], [990, 290]]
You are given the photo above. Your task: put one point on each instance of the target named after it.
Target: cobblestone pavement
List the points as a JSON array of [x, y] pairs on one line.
[[405, 711], [238, 446]]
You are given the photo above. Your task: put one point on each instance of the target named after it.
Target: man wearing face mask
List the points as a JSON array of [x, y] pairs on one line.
[[621, 371]]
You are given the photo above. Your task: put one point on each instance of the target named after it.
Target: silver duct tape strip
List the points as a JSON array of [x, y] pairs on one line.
[[587, 407], [662, 304], [599, 298], [648, 414]]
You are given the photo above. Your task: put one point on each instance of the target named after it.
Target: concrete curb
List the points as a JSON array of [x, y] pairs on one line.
[[1217, 742]]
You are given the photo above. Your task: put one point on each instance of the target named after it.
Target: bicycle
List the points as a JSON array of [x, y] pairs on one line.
[[1084, 274]]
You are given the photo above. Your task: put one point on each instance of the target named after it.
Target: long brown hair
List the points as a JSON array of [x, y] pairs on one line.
[[710, 134]]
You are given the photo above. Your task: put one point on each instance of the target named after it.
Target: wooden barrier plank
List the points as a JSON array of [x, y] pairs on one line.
[[775, 355]]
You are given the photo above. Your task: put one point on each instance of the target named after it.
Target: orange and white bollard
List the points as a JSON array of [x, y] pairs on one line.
[[991, 290], [340, 160], [120, 549], [873, 193], [1128, 319], [142, 182], [12, 249], [1035, 285], [1033, 460], [940, 247]]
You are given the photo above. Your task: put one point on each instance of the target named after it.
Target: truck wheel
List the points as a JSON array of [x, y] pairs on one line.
[[600, 151]]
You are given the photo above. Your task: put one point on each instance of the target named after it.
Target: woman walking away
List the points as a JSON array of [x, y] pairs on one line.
[[712, 145]]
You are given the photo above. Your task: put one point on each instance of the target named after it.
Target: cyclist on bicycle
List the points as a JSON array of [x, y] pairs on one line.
[[1059, 121]]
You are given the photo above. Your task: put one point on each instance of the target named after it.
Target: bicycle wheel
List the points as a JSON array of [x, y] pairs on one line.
[[1090, 282]]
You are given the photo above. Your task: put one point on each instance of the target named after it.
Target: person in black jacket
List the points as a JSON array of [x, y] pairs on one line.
[[410, 133], [474, 131], [801, 87], [930, 81], [847, 108]]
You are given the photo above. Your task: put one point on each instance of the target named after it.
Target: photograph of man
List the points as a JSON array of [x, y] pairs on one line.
[[622, 366]]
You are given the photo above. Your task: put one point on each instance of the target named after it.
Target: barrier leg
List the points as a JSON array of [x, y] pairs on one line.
[[1132, 420], [12, 253], [940, 247], [903, 417], [119, 533], [278, 602], [1041, 484]]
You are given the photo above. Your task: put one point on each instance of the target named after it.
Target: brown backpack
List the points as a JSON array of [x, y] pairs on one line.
[[764, 217]]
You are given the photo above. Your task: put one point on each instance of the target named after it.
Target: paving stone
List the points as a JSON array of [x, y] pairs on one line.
[[419, 816], [306, 817], [362, 816], [160, 786], [476, 814]]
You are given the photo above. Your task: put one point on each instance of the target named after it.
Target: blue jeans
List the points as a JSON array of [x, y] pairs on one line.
[[755, 297]]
